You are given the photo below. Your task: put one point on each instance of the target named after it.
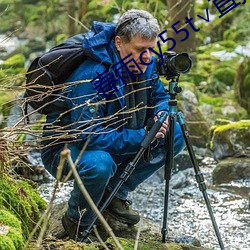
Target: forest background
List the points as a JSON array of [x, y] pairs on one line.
[[217, 49]]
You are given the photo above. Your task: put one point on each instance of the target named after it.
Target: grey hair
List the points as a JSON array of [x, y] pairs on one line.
[[137, 22]]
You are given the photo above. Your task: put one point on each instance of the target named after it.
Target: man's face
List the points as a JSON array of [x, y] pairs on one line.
[[136, 46]]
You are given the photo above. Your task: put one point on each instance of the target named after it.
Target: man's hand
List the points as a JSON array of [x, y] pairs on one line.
[[164, 128]]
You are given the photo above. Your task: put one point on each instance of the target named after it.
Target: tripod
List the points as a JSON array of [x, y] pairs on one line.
[[173, 90], [169, 163], [129, 169]]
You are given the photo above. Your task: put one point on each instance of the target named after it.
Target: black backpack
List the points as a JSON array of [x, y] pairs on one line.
[[48, 73]]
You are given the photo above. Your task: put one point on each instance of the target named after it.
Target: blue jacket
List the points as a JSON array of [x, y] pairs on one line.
[[88, 116]]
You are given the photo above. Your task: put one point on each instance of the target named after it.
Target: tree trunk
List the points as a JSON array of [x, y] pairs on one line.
[[71, 6], [178, 11], [83, 7]]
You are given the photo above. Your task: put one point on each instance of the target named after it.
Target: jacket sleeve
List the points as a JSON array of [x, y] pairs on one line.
[[88, 122]]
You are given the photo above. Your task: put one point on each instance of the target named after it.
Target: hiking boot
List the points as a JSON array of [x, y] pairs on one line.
[[75, 231], [121, 211]]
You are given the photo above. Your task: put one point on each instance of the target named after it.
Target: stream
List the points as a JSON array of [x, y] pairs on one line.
[[187, 212]]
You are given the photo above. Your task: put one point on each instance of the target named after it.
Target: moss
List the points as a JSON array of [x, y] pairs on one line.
[[219, 103], [13, 71], [236, 125], [128, 244], [221, 133], [224, 75], [16, 61], [10, 220], [13, 239], [6, 243], [16, 237], [212, 100], [228, 45], [242, 84], [22, 200]]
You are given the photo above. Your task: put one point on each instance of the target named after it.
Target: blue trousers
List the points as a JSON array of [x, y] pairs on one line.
[[100, 170]]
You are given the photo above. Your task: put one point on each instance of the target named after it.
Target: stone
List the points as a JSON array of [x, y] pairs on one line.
[[231, 169], [197, 125], [230, 140]]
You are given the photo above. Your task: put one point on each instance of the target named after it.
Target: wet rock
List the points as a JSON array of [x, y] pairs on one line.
[[231, 139], [231, 169], [31, 167], [181, 179]]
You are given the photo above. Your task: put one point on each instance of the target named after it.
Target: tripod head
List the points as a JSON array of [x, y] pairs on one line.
[[174, 89]]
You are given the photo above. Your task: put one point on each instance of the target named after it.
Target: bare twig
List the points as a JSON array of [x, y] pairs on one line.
[[137, 236], [77, 21], [66, 154], [99, 238]]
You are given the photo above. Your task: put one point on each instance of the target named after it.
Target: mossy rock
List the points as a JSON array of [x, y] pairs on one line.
[[150, 235], [10, 231], [242, 85], [231, 169], [219, 107], [197, 125], [22, 200], [232, 139], [128, 244]]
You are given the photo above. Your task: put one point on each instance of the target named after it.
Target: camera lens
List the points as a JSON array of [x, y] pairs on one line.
[[182, 63]]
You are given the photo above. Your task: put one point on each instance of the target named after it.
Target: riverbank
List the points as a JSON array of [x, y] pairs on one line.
[[188, 215]]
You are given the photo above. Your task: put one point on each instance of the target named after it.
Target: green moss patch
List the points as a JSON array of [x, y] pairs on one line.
[[22, 200], [128, 244], [231, 138], [10, 231]]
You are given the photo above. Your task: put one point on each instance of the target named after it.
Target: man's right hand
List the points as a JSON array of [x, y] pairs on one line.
[[164, 128]]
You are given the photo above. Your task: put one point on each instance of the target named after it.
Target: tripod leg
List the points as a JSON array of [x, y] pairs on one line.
[[168, 173], [129, 169], [199, 177]]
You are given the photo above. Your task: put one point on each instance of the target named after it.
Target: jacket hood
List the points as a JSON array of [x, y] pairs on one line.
[[98, 43]]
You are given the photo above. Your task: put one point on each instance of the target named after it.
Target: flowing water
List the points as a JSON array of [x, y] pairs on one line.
[[187, 212]]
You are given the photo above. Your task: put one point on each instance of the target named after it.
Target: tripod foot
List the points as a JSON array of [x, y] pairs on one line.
[[164, 232]]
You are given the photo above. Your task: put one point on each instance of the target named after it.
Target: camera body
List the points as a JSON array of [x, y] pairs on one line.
[[173, 64]]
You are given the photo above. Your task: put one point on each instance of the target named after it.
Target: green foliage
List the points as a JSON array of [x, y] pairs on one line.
[[213, 73], [224, 75], [239, 31], [214, 101]]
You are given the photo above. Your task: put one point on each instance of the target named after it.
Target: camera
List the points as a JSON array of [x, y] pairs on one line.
[[173, 64]]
